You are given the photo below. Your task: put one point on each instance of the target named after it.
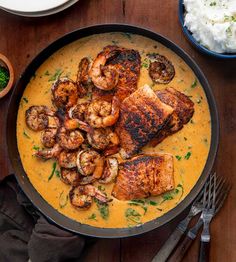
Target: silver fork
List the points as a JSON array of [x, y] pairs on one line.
[[174, 238], [211, 206], [208, 211], [222, 188]]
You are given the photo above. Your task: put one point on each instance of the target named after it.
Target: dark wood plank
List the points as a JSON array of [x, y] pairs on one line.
[[22, 38], [103, 250]]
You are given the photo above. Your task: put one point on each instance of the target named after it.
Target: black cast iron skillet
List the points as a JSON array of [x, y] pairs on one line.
[[22, 178]]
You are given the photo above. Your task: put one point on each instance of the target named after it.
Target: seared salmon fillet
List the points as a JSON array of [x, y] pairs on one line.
[[128, 63], [142, 115], [183, 111], [144, 175]]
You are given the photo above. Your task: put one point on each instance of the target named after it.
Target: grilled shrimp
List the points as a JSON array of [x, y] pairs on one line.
[[83, 80], [97, 173], [72, 124], [86, 161], [67, 159], [161, 69], [110, 172], [64, 93], [90, 165], [81, 197], [49, 153], [37, 117], [78, 111], [69, 140], [83, 71], [102, 113], [48, 137], [98, 138], [104, 76], [70, 176], [101, 138]]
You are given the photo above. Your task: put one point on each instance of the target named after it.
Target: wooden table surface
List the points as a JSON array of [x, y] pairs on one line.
[[22, 38]]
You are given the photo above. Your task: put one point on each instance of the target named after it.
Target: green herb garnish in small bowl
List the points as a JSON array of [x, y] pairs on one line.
[[6, 75]]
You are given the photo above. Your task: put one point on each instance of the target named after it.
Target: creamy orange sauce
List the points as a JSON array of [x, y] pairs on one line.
[[190, 146]]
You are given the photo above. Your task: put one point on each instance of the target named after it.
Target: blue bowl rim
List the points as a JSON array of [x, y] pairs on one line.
[[194, 41]]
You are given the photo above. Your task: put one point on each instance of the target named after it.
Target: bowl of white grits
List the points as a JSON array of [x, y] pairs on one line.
[[210, 25]]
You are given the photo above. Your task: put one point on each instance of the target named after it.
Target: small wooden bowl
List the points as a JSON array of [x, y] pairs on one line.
[[4, 61]]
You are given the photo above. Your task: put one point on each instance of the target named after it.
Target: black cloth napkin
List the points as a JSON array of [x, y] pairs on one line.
[[25, 234]]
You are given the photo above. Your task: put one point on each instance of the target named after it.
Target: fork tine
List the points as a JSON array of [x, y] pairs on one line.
[[218, 185], [200, 196], [222, 194], [219, 180], [220, 188], [221, 185], [210, 192], [214, 191], [204, 196], [221, 200]]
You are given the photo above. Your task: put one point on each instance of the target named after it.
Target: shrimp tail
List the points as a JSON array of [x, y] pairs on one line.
[[71, 124], [101, 197], [115, 111], [99, 168], [111, 150], [48, 153]]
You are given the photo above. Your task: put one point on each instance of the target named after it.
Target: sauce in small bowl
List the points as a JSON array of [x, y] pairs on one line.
[[6, 75]]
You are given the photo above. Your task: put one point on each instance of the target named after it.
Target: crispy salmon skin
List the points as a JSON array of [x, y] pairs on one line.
[[183, 110], [142, 115], [144, 175]]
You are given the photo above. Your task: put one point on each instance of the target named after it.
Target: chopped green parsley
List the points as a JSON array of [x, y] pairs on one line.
[[54, 165], [56, 75], [26, 135], [194, 84], [187, 156]]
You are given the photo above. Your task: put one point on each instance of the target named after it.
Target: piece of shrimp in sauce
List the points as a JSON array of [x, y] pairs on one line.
[[67, 159], [81, 197], [78, 111], [48, 137], [70, 176], [37, 117], [86, 161], [102, 113], [72, 124], [110, 171], [49, 153], [64, 93], [69, 140], [101, 138], [161, 70], [104, 76], [90, 165], [83, 80], [85, 180]]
